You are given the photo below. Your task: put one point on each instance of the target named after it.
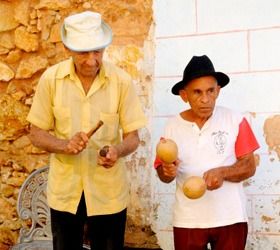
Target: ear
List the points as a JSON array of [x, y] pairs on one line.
[[183, 95], [218, 91], [67, 51]]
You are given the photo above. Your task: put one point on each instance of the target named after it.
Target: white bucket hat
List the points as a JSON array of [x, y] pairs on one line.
[[85, 31]]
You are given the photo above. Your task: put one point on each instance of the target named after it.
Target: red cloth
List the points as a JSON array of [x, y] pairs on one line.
[[246, 141], [157, 162]]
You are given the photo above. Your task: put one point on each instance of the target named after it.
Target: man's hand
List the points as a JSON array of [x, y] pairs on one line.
[[168, 171], [45, 140], [214, 178], [108, 157], [76, 144], [127, 146]]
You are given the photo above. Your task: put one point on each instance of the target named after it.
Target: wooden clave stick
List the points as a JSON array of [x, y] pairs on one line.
[[93, 130]]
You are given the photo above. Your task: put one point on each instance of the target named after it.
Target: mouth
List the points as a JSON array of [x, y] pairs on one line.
[[205, 109], [89, 68]]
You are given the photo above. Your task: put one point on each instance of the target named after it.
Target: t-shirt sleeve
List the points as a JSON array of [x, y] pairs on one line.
[[246, 141]]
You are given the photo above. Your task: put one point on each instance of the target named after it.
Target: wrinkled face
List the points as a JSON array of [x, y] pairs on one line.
[[201, 93], [87, 63]]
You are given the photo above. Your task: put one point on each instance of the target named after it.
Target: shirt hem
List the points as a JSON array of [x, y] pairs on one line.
[[209, 225]]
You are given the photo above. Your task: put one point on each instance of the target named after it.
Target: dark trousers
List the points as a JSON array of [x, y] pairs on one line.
[[232, 237], [105, 232]]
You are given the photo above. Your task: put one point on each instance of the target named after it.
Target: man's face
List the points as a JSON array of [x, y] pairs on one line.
[[201, 93], [87, 64]]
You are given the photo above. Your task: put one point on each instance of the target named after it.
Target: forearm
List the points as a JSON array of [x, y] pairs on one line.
[[241, 170], [129, 144], [46, 141]]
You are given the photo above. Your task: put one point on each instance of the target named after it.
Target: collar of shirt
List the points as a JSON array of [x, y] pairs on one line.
[[194, 125], [67, 68]]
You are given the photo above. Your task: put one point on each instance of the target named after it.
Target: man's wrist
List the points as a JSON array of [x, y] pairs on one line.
[[62, 146], [119, 150]]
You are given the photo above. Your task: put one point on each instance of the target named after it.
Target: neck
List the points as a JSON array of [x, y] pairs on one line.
[[190, 116], [86, 81]]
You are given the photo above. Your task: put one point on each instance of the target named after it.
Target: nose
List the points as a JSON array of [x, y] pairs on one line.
[[205, 98], [91, 57]]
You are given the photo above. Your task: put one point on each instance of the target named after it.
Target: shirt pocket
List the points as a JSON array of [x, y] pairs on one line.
[[62, 120], [61, 181], [110, 128]]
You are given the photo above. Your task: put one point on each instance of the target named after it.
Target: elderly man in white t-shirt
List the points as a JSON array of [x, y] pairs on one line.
[[216, 144]]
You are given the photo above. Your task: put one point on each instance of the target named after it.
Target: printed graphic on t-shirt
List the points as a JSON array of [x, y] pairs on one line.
[[220, 141]]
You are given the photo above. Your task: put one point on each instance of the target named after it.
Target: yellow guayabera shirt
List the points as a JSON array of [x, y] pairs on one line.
[[60, 104]]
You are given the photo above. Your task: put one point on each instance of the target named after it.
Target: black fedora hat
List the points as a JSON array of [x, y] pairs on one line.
[[197, 67]]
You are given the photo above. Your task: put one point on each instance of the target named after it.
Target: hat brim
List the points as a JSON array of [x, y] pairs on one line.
[[108, 37], [222, 80]]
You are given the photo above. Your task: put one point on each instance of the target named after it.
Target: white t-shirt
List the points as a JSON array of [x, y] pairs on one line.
[[212, 146]]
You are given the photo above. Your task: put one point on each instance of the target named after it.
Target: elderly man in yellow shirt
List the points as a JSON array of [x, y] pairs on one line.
[[71, 98]]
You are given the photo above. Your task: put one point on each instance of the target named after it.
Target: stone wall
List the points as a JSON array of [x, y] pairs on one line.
[[29, 43]]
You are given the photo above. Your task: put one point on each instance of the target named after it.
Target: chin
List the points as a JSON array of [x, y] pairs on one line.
[[89, 73], [206, 115]]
